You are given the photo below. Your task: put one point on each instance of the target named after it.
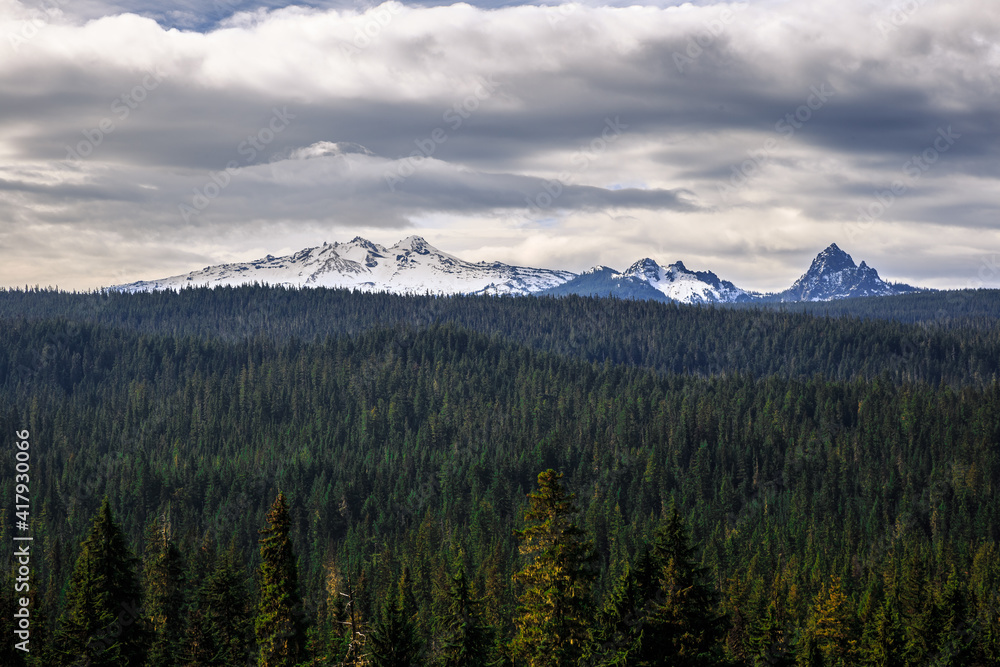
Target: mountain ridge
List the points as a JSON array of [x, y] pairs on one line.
[[414, 266]]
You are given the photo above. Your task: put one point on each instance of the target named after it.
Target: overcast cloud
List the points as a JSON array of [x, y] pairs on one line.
[[138, 142]]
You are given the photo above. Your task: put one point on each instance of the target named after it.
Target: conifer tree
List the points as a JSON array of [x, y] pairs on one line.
[[618, 631], [465, 641], [163, 579], [682, 625], [955, 638], [828, 630], [99, 626], [279, 627], [917, 613], [220, 628], [394, 641], [351, 645], [768, 641], [554, 617], [882, 641]]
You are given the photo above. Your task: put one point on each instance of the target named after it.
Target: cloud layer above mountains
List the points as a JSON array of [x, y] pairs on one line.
[[741, 138]]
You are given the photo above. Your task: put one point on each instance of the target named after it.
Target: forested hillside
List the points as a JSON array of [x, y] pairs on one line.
[[753, 487], [666, 338]]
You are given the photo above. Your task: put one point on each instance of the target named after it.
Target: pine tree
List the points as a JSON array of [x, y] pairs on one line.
[[279, 627], [465, 641], [393, 641], [882, 642], [828, 629], [682, 625], [618, 633], [553, 622], [917, 613], [955, 638], [352, 647], [164, 610], [768, 641], [99, 626], [219, 632]]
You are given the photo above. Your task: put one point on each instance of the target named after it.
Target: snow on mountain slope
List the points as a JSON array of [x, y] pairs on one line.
[[603, 281], [412, 266], [648, 280], [679, 284], [834, 275]]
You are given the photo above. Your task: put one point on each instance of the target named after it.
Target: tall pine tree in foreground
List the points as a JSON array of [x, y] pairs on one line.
[[681, 626], [99, 626], [163, 576], [279, 627], [465, 640], [394, 641], [554, 617], [220, 630]]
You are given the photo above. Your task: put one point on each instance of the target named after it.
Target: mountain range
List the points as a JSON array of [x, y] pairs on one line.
[[413, 266]]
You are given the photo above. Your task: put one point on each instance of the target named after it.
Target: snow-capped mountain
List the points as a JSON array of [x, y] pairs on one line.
[[679, 284], [834, 275], [412, 266], [603, 281], [648, 280]]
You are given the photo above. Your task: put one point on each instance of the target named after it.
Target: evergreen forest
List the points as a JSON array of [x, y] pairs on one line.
[[278, 477]]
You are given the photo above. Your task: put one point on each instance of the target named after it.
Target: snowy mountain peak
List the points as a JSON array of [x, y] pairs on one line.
[[646, 269], [411, 266], [362, 242], [834, 275], [416, 244], [832, 259], [599, 268], [414, 266], [678, 283]]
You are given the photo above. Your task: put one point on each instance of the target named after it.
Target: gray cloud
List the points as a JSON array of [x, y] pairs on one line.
[[734, 123]]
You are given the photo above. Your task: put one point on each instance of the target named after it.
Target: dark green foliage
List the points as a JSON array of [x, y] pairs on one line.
[[948, 336], [101, 622], [279, 623], [799, 449], [883, 640], [393, 641], [555, 615], [619, 624], [462, 637], [220, 628], [681, 626], [164, 612], [768, 641]]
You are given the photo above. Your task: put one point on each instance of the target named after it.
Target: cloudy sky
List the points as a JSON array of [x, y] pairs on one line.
[[138, 141]]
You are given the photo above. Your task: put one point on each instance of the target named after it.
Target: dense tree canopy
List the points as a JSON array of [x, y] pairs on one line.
[[822, 490]]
